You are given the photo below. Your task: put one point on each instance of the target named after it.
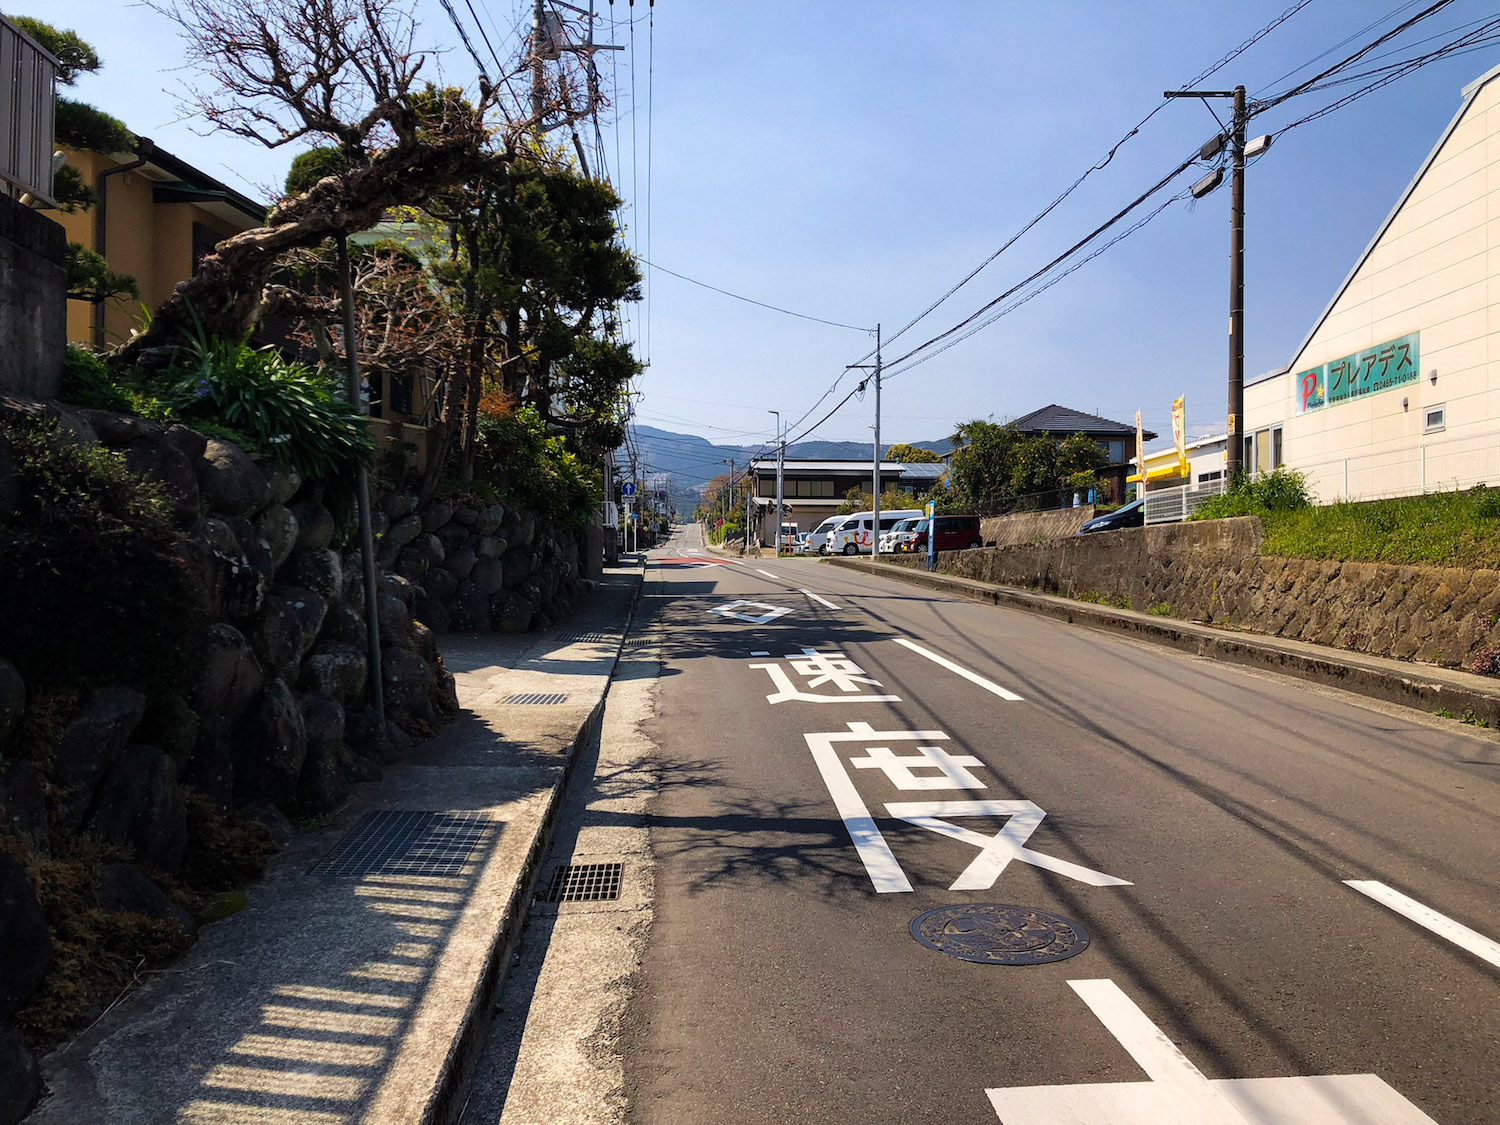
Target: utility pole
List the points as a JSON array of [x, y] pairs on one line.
[[539, 38], [875, 484], [749, 501], [780, 462], [1233, 443]]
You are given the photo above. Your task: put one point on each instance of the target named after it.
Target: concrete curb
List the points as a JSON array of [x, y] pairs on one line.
[[1423, 686], [441, 1107]]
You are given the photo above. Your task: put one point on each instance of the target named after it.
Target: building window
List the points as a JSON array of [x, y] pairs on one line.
[[1434, 418], [1263, 450], [205, 241], [401, 387], [1205, 478], [1114, 450]]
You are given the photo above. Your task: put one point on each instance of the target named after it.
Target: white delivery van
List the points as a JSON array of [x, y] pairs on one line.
[[817, 538], [857, 534]]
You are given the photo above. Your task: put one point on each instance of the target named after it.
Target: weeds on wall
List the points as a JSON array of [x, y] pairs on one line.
[[532, 469], [96, 587]]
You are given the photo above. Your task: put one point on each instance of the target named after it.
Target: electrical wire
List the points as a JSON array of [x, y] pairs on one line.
[[1098, 165], [464, 38], [751, 300]]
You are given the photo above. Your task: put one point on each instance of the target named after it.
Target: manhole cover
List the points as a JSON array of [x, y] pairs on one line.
[[999, 934]]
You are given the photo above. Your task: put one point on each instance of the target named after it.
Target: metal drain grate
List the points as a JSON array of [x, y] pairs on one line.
[[536, 699], [585, 882], [589, 638], [407, 843]]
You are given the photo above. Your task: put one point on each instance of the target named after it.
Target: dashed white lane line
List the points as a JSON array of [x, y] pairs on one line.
[[958, 669], [767, 573], [819, 598], [1460, 935]]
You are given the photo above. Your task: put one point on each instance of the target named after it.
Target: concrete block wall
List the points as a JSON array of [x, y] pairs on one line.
[[1034, 527], [33, 301]]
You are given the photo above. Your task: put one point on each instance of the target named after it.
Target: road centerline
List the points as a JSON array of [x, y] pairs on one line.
[[958, 670], [1486, 949], [818, 598]]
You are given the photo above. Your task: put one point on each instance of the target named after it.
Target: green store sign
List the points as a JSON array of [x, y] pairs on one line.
[[1381, 368]]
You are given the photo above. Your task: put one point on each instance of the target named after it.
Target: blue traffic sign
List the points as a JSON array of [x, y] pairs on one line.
[[628, 488]]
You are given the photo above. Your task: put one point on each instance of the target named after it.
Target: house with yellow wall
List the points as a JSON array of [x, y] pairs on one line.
[[157, 217]]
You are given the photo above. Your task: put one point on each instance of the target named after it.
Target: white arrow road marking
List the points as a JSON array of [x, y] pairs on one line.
[[819, 598], [959, 669], [1179, 1094], [732, 610], [1440, 924], [995, 852]]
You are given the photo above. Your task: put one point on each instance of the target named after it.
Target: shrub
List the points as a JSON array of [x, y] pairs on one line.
[[86, 382], [1284, 490], [277, 408], [532, 469], [95, 588]]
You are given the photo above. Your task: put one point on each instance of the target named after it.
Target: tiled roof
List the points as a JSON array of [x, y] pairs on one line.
[[1060, 420]]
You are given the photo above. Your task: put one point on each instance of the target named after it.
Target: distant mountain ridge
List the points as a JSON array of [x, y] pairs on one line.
[[693, 461]]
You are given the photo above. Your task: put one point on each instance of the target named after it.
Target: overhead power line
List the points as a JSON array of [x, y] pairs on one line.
[[751, 300], [1098, 165]]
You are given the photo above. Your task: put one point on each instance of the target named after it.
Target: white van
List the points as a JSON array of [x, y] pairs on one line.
[[817, 538], [857, 536]]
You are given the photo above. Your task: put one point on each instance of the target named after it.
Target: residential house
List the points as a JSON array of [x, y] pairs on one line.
[[156, 218], [1116, 439]]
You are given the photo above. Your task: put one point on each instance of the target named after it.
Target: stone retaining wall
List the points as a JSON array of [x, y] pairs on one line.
[[1213, 571]]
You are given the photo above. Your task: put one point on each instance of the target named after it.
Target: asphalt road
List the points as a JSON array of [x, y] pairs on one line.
[[1198, 822]]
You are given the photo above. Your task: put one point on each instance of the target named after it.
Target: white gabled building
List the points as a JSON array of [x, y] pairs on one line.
[[1396, 390]]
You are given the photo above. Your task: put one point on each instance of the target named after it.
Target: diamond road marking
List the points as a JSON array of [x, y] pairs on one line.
[[742, 611], [1179, 1094]]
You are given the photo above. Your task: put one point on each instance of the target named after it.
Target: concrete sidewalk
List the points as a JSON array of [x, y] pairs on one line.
[[1424, 686], [354, 985]]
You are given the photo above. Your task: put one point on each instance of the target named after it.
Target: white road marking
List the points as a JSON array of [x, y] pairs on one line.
[[885, 873], [1179, 1094], [995, 852], [763, 652], [819, 598], [768, 613], [1460, 935], [787, 691], [958, 669], [767, 573]]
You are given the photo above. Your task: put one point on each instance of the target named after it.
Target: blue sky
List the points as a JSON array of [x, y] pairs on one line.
[[853, 160]]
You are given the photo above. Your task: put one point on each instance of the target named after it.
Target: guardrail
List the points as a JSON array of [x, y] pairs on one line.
[[28, 75]]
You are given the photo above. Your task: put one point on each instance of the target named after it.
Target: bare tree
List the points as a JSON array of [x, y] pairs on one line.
[[331, 72]]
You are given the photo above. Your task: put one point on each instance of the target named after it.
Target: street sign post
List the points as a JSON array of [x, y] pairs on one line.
[[931, 535]]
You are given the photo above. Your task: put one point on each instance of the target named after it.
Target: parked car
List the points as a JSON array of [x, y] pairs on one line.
[[817, 538], [1131, 515], [857, 534], [954, 533], [892, 540]]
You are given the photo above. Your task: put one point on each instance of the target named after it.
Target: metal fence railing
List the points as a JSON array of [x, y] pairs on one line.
[[1441, 465], [28, 75], [1172, 505]]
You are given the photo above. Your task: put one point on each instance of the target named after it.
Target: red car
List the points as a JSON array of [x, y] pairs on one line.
[[954, 533]]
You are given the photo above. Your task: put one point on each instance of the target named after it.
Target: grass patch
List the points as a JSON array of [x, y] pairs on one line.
[[1439, 529], [1160, 609]]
